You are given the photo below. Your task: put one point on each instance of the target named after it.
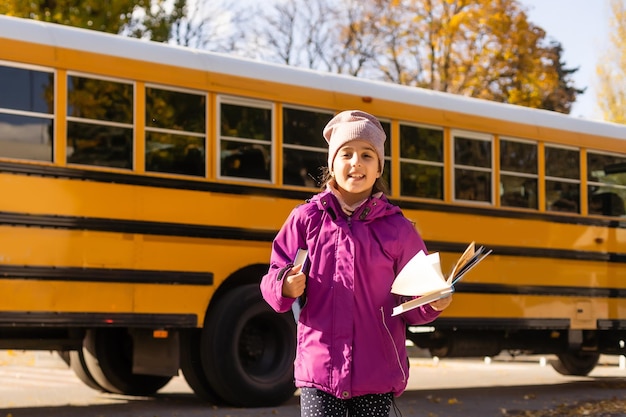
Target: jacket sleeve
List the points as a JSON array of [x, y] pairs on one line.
[[289, 239], [411, 244]]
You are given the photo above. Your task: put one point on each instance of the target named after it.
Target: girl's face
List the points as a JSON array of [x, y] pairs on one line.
[[355, 169]]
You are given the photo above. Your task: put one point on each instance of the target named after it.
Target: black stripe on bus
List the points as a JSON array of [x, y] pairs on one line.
[[56, 319], [539, 290], [528, 252], [507, 323], [217, 187], [235, 233], [136, 226], [132, 276]]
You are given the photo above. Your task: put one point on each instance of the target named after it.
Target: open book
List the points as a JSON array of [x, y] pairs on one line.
[[422, 277]]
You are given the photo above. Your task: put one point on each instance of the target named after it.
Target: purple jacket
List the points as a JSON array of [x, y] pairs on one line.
[[348, 343]]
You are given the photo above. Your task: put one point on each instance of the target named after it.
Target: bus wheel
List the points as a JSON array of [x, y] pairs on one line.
[[248, 350], [191, 366], [108, 355], [78, 365], [575, 363]]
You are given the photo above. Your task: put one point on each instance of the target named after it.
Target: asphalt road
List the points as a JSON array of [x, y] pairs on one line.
[[38, 384]]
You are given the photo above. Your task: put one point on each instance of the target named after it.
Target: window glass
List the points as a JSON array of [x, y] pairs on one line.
[[472, 168], [606, 184], [26, 90], [518, 156], [562, 168], [472, 185], [175, 110], [563, 163], [100, 100], [518, 191], [518, 174], [26, 113], [420, 180], [245, 140], [99, 122], [472, 152], [305, 151], [421, 143], [421, 162], [175, 132], [100, 145]]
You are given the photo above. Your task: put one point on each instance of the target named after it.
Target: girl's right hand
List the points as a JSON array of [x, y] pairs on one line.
[[294, 283]]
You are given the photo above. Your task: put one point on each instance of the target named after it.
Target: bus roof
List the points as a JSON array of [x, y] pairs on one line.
[[67, 37]]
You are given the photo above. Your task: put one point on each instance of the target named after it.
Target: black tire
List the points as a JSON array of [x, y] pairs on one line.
[[78, 365], [108, 355], [248, 350], [575, 363], [191, 366]]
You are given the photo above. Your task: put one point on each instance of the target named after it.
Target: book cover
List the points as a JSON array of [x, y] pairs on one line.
[[300, 259]]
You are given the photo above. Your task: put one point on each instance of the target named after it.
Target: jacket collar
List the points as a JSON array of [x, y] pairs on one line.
[[373, 208]]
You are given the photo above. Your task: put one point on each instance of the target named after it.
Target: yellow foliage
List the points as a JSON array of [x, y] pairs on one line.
[[611, 69]]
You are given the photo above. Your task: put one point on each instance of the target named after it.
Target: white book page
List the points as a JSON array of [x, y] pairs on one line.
[[421, 275]]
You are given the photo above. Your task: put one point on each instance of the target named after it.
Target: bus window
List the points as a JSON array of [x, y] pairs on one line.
[[606, 184], [518, 174], [472, 167], [421, 162], [175, 132], [99, 122], [562, 179], [245, 140], [305, 151], [26, 113]]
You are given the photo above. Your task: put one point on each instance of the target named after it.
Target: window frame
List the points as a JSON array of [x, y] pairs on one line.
[[245, 102], [479, 136]]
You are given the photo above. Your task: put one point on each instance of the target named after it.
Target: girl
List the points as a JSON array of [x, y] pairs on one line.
[[351, 357]]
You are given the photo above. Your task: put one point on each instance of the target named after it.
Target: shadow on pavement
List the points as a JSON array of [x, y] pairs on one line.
[[457, 402]]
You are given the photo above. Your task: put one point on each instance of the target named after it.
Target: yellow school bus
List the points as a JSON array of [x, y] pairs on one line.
[[142, 184]]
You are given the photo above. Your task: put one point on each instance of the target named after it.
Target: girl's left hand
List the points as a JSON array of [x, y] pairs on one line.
[[441, 304]]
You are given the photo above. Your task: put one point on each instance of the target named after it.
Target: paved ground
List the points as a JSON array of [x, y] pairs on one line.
[[39, 384]]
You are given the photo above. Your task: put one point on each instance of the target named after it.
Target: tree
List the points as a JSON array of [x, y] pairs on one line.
[[612, 68], [91, 14], [479, 48], [139, 18]]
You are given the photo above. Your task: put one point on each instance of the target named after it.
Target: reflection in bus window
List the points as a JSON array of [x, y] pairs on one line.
[[245, 161], [421, 162], [562, 179], [606, 184], [472, 185], [518, 174], [175, 132], [100, 145], [26, 113], [99, 122], [245, 139]]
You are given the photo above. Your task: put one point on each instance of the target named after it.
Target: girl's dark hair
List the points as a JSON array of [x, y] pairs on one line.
[[379, 185]]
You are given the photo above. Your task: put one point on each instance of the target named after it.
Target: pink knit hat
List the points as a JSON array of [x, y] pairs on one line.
[[351, 125]]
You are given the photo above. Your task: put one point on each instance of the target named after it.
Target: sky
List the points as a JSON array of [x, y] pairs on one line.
[[582, 27]]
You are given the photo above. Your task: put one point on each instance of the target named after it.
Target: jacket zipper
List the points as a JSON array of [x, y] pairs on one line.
[[393, 343]]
